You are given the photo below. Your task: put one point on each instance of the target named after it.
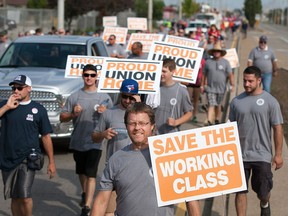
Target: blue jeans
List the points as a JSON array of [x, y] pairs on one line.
[[266, 81]]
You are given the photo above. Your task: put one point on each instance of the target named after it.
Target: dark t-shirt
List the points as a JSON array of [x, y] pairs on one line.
[[20, 129]]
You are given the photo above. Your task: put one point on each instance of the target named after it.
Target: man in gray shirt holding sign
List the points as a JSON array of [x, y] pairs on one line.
[[257, 112]]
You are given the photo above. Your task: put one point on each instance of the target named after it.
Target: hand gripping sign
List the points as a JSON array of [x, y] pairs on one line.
[[197, 164]]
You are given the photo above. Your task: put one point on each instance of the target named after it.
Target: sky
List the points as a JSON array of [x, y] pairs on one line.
[[232, 4]]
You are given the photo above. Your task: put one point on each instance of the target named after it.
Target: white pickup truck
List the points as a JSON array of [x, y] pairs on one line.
[[43, 59]]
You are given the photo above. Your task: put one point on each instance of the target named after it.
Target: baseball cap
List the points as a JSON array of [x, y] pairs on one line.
[[3, 33], [129, 86], [21, 80], [263, 38]]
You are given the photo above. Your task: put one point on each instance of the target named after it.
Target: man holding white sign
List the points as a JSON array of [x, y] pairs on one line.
[[257, 112]]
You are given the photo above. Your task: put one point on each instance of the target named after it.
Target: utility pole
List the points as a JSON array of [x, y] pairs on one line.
[[150, 15], [180, 9], [60, 13]]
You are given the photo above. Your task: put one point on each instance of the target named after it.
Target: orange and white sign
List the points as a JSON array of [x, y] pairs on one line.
[[181, 41], [137, 23], [232, 57], [145, 39], [75, 64], [146, 73], [119, 32], [109, 21], [197, 164], [187, 59]]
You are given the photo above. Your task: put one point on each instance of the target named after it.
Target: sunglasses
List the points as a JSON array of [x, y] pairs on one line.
[[262, 42], [91, 75], [128, 96], [19, 88]]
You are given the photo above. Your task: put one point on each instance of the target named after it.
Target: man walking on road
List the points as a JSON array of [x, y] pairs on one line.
[[84, 107], [22, 120], [257, 112], [215, 74], [264, 58], [129, 171], [112, 127]]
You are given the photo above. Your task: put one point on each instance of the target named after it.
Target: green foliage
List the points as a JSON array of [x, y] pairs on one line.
[[141, 8], [37, 4], [251, 8], [190, 7]]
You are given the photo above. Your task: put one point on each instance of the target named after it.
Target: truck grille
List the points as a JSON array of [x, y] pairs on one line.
[[47, 99]]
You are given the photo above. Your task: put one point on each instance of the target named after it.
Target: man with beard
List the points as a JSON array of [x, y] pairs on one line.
[[257, 112]]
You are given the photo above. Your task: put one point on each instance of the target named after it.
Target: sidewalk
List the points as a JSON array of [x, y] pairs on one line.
[[279, 191]]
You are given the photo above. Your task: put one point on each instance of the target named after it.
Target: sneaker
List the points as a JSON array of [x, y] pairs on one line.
[[85, 211], [194, 119], [265, 211], [82, 203]]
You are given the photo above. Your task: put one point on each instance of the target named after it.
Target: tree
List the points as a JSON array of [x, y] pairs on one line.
[[190, 7], [141, 8], [251, 8], [37, 4], [75, 8]]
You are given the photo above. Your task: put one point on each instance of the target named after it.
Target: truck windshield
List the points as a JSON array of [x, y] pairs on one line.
[[40, 55]]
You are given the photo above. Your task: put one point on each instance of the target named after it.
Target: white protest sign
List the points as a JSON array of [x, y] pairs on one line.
[[146, 73], [182, 41], [137, 23], [187, 59], [75, 64], [119, 32], [232, 57], [146, 40], [109, 21]]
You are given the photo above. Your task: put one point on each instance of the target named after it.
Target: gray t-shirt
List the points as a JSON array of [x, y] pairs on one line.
[[262, 59], [217, 72], [129, 172], [85, 123], [116, 49], [255, 115], [174, 102], [114, 118]]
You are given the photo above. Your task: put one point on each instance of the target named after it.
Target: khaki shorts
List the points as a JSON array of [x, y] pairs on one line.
[[112, 203]]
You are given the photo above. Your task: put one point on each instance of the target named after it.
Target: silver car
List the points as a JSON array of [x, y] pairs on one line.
[[43, 59]]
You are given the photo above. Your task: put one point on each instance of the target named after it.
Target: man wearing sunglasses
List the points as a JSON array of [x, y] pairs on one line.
[[115, 50], [264, 58], [22, 120], [84, 108], [112, 127]]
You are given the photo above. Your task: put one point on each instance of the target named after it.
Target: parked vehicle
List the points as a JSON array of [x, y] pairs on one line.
[[193, 25], [209, 18], [43, 59]]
